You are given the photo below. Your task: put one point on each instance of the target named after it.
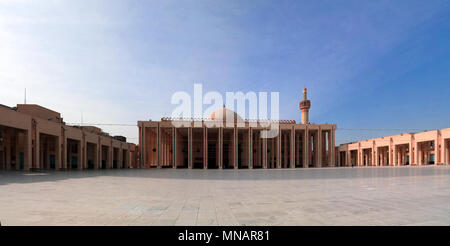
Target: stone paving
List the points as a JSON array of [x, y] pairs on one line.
[[325, 196]]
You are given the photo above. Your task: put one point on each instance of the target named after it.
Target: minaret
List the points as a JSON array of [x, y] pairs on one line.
[[304, 106]]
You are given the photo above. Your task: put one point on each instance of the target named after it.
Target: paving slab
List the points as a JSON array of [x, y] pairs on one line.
[[312, 196]]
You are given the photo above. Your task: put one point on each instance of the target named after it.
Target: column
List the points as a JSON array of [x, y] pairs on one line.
[[205, 148], [319, 148], [158, 144], [190, 147], [99, 154], [235, 148], [250, 149], [390, 154], [64, 153], [264, 154], [80, 155], [110, 155], [357, 157], [126, 158], [331, 151], [418, 154], [160, 150], [374, 155], [437, 151], [285, 154], [360, 157], [410, 152], [27, 150], [16, 143], [272, 153], [292, 147], [445, 152], [174, 147], [278, 156], [120, 157], [347, 157], [142, 146], [8, 149], [297, 138], [38, 150], [306, 149], [220, 147], [377, 155], [395, 155]]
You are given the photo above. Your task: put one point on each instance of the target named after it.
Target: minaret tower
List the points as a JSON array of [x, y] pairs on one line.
[[304, 106]]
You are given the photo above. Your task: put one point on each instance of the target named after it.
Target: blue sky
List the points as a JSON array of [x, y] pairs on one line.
[[367, 64]]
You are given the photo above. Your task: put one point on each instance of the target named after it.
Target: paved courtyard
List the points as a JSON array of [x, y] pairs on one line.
[[327, 196]]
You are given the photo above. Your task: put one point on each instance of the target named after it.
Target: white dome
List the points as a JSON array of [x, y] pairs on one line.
[[225, 115]]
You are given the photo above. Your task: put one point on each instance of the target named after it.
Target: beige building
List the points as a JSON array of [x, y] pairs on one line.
[[424, 148], [33, 137], [198, 144]]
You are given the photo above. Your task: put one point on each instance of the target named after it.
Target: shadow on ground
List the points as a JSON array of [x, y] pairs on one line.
[[9, 177]]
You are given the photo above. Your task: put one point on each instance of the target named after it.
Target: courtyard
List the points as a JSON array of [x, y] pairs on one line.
[[322, 196]]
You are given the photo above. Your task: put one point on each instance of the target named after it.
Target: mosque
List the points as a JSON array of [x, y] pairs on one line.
[[238, 145]]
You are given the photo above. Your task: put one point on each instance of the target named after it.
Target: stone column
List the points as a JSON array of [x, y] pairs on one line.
[[348, 157], [390, 157], [264, 154], [120, 157], [284, 145], [174, 147], [158, 146], [27, 151], [235, 148], [418, 157], [437, 150], [38, 150], [99, 153], [190, 147], [250, 149], [16, 143], [395, 155], [220, 148], [445, 151], [80, 155], [374, 154], [330, 149], [205, 148], [306, 149], [8, 143], [64, 150], [333, 144], [142, 147], [292, 148], [278, 149], [110, 155], [319, 148]]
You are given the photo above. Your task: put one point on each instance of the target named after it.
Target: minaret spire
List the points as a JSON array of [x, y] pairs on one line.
[[304, 106]]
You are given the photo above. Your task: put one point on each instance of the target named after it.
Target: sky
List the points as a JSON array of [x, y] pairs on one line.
[[374, 68]]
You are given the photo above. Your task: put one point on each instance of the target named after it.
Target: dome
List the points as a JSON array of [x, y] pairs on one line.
[[225, 114]]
